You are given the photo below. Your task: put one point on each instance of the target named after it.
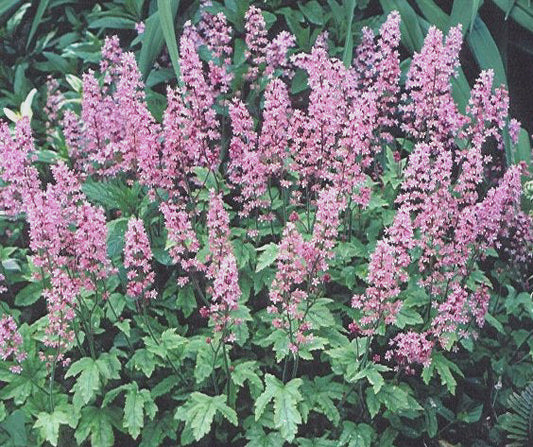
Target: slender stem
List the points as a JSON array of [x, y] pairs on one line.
[[271, 206], [52, 374], [284, 374], [226, 366], [87, 325], [78, 342], [32, 380], [213, 374], [198, 289], [295, 366]]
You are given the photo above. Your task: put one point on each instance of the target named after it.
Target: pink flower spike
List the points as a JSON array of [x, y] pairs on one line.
[[137, 261]]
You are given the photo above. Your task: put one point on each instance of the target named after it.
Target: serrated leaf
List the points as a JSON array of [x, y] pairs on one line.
[[134, 411], [204, 363], [267, 257], [172, 341], [360, 435], [268, 394], [258, 438], [96, 423], [48, 423], [395, 398], [286, 398], [372, 402], [164, 387], [109, 365], [472, 415], [286, 414], [87, 384], [319, 314], [199, 411], [116, 229], [186, 300], [14, 426], [494, 323], [407, 317], [319, 395], [444, 367], [247, 371], [143, 360]]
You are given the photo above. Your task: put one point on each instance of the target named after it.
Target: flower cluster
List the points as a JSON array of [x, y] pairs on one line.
[[441, 210], [68, 237], [137, 261], [299, 170], [11, 343], [222, 270], [377, 69], [182, 237], [265, 55], [2, 288], [215, 34], [19, 177], [67, 234], [301, 269], [386, 274]]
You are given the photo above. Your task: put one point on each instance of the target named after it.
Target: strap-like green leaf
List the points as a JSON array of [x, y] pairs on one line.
[[167, 11], [348, 43], [485, 50], [43, 4]]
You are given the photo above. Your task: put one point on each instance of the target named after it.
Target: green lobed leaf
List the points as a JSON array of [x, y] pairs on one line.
[[286, 414], [96, 423], [133, 413], [48, 424], [269, 253], [356, 435], [199, 411], [14, 426], [286, 398]]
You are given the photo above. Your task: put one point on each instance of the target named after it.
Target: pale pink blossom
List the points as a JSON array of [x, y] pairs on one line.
[[138, 260], [11, 343]]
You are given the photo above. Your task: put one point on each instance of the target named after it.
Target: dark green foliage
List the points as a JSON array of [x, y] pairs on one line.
[[518, 423]]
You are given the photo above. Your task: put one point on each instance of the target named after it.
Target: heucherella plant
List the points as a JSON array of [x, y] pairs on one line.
[[257, 266]]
